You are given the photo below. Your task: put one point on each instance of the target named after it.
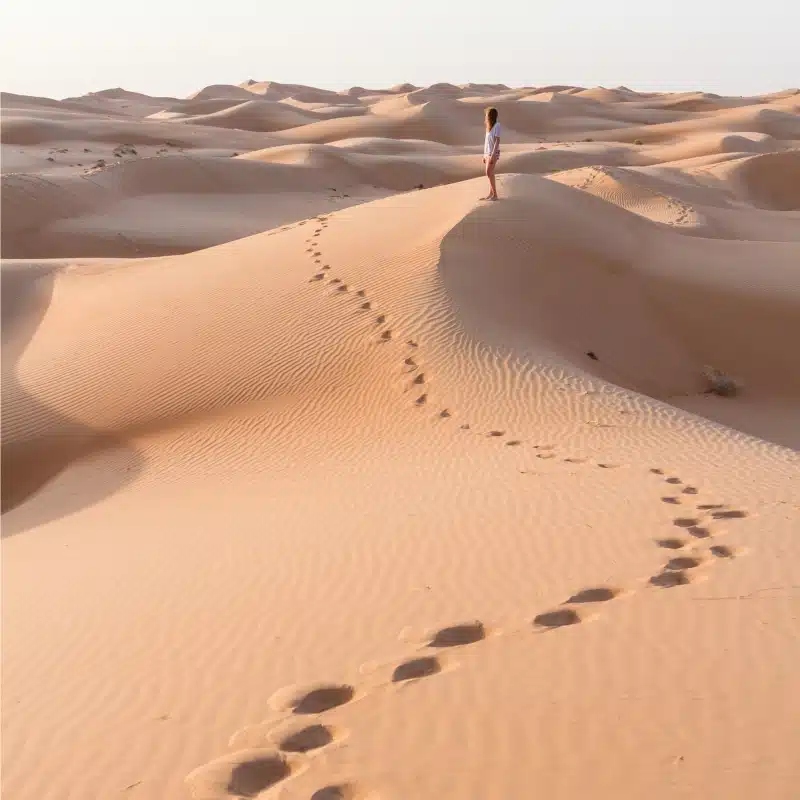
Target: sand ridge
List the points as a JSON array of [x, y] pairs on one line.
[[323, 479]]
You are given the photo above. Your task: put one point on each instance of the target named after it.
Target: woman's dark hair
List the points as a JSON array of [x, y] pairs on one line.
[[491, 118]]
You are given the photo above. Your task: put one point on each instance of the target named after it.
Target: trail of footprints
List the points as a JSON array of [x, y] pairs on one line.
[[268, 754], [412, 364], [697, 530], [381, 325], [683, 211]]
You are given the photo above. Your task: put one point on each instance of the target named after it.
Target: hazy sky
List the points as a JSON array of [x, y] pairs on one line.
[[174, 47]]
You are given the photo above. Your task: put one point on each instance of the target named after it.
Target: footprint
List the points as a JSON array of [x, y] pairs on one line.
[[557, 619], [545, 455], [732, 514], [243, 774], [699, 532], [597, 594], [421, 400], [576, 460], [656, 471], [458, 635], [380, 319], [318, 277], [326, 266], [671, 544], [608, 466], [682, 562], [343, 288], [313, 701], [465, 426], [685, 522], [496, 433], [250, 778], [386, 335], [444, 413], [419, 379], [667, 580], [514, 443], [412, 343], [672, 500], [366, 306], [674, 481], [311, 738], [710, 506], [416, 668], [410, 362], [721, 551], [335, 280], [361, 293], [691, 490]]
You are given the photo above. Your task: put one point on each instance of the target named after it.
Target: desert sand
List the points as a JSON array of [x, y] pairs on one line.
[[324, 479]]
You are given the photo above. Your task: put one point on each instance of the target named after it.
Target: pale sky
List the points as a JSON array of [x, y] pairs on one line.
[[174, 47]]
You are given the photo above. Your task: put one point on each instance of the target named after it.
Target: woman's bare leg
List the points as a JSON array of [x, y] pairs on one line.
[[486, 172], [490, 168]]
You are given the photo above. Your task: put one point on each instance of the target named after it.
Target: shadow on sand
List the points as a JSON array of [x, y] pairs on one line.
[[39, 443]]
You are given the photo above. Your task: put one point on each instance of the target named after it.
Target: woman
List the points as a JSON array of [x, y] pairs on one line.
[[491, 150]]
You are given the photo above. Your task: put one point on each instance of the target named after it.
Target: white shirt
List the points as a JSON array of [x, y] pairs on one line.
[[491, 137]]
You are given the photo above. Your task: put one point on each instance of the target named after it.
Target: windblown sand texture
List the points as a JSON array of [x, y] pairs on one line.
[[324, 480]]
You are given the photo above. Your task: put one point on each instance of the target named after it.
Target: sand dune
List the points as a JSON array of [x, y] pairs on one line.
[[174, 203], [122, 102], [189, 108], [46, 107], [25, 130], [774, 122], [603, 95], [685, 200], [253, 115], [324, 479], [769, 180], [222, 91], [626, 189], [272, 90]]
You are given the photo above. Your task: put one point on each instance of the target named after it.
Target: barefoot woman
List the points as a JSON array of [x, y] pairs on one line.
[[491, 150]]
